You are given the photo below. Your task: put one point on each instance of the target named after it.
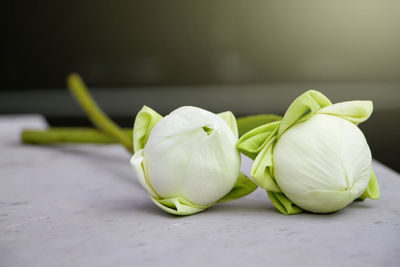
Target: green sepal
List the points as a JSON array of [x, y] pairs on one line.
[[145, 120], [262, 169], [353, 111], [243, 187], [182, 207], [283, 204], [248, 123], [255, 140], [178, 206], [230, 119], [372, 191], [303, 108]]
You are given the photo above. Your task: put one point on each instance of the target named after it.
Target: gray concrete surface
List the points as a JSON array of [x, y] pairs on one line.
[[81, 206]]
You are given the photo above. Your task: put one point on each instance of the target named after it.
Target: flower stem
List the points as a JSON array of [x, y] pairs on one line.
[[85, 135], [98, 118], [56, 135]]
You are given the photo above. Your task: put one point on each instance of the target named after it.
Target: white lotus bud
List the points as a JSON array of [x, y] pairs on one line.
[[190, 160], [322, 164], [315, 158]]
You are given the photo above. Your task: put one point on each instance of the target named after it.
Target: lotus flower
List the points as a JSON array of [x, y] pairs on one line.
[[315, 158], [188, 160]]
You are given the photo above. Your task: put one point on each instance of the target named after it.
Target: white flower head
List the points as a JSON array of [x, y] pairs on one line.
[[189, 160], [322, 164], [315, 158]]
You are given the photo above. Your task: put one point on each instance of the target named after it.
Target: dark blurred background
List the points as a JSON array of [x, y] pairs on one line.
[[245, 56]]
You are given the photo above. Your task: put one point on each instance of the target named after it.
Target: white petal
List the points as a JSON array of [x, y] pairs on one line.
[[138, 164]]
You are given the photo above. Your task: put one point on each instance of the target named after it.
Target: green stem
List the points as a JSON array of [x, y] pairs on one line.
[[98, 118], [56, 135], [90, 135]]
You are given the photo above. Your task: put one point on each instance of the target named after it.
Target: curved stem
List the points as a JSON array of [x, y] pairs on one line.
[[98, 118]]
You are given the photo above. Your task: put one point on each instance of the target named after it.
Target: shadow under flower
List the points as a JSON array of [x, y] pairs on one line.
[[243, 206]]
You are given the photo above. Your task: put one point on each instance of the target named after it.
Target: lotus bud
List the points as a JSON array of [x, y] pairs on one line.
[[315, 158], [188, 160]]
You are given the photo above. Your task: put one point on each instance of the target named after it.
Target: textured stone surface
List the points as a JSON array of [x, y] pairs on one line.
[[81, 206]]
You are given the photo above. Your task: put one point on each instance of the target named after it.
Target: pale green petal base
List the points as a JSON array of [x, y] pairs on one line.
[[178, 206], [283, 204], [372, 191]]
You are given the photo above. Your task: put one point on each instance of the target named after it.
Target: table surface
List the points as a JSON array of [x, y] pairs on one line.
[[80, 205]]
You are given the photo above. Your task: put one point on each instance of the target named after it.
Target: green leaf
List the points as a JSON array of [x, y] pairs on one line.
[[145, 120], [255, 140], [372, 190], [302, 108], [243, 187], [248, 123], [262, 170], [178, 206], [283, 204], [353, 111]]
